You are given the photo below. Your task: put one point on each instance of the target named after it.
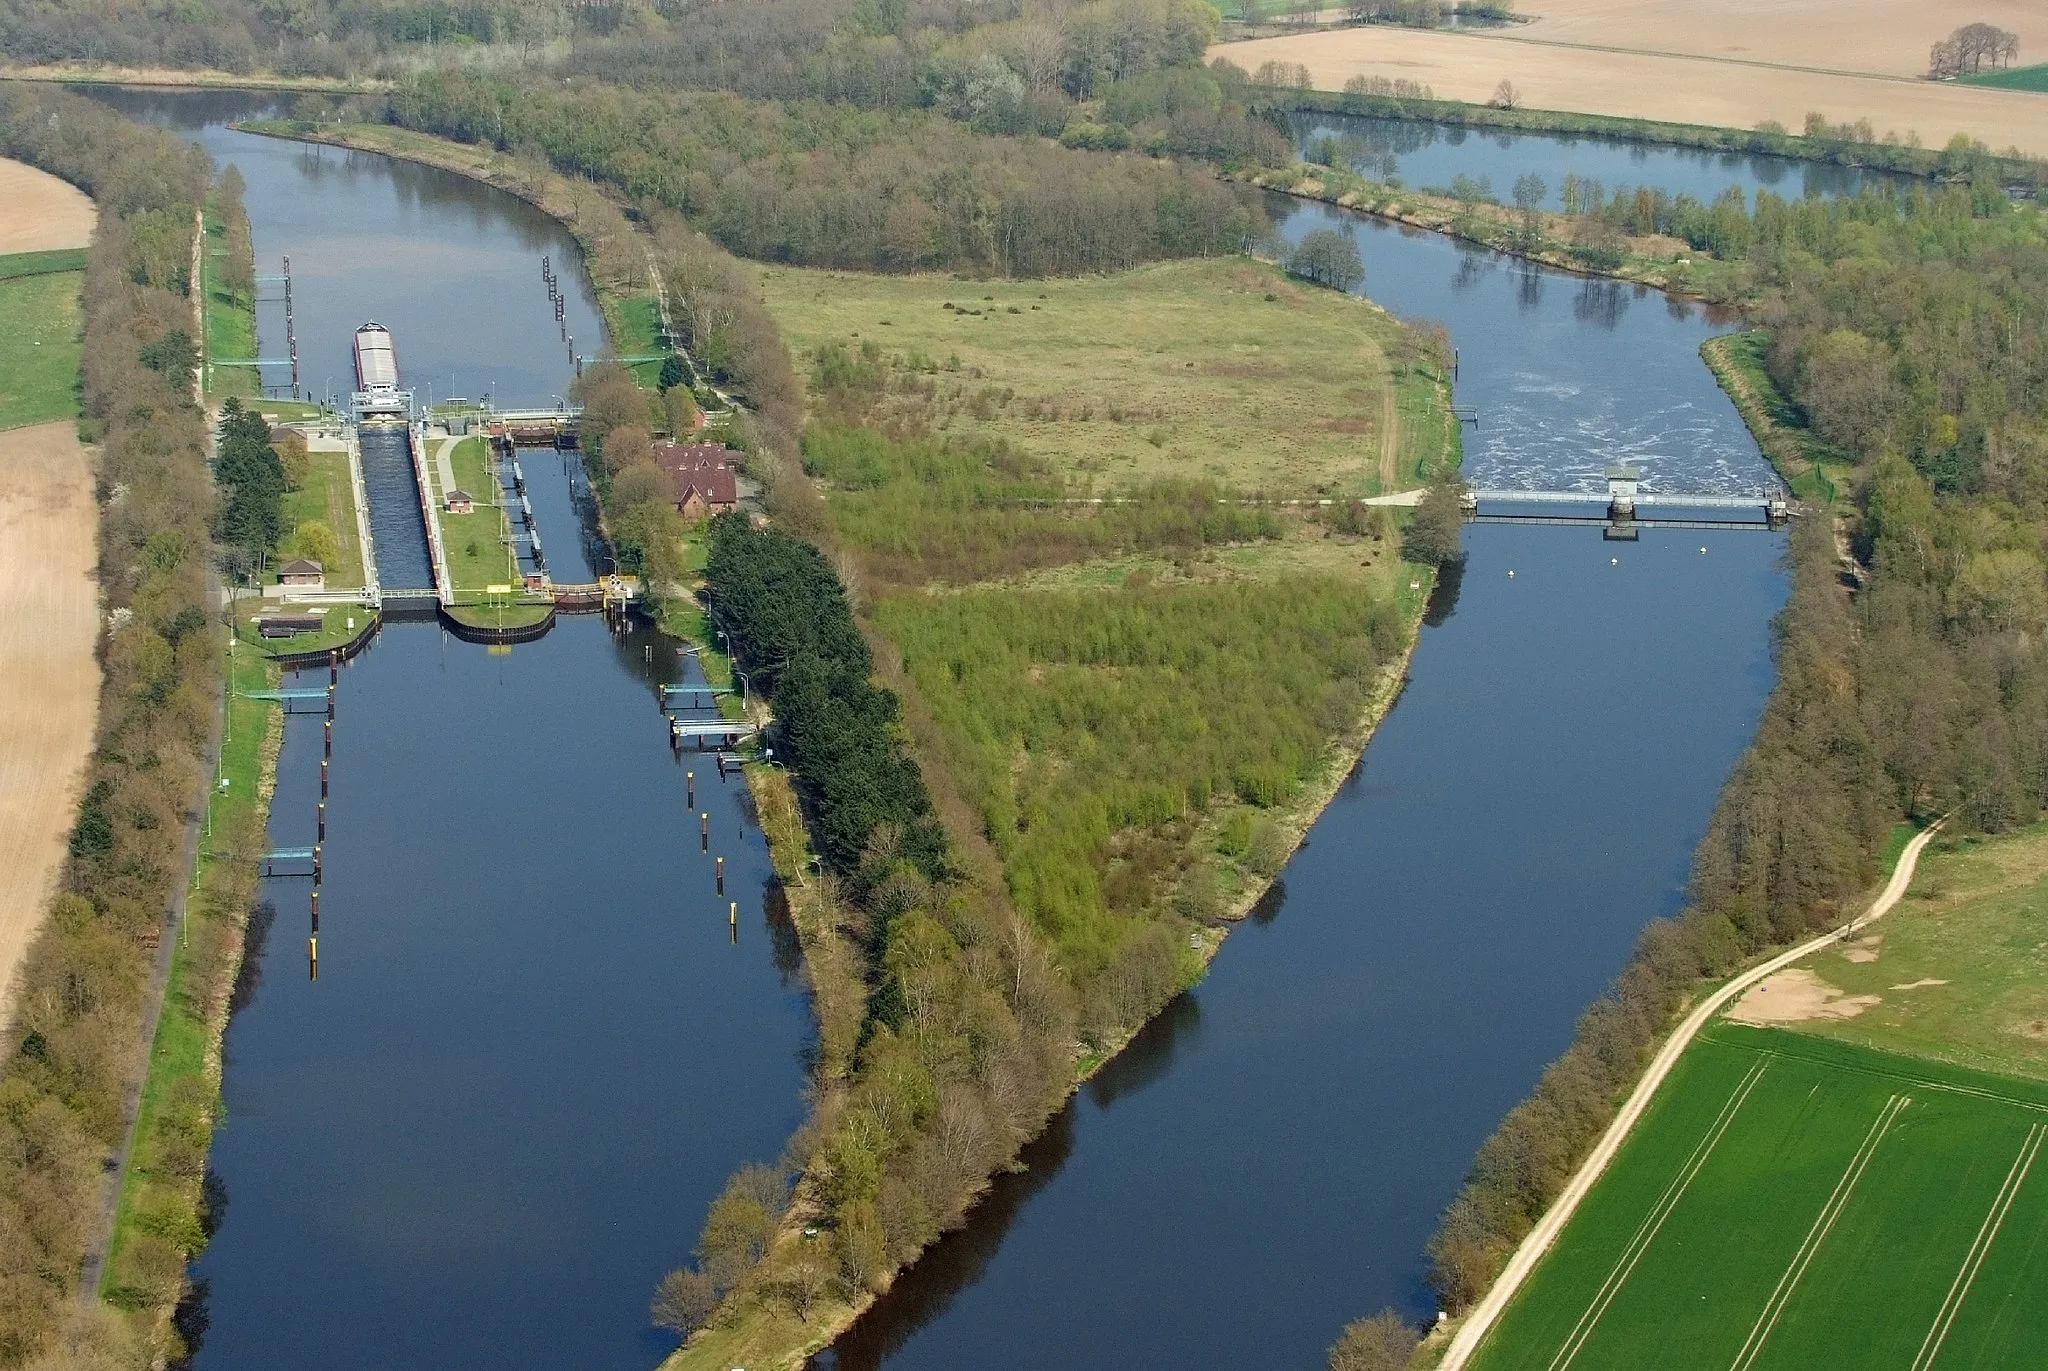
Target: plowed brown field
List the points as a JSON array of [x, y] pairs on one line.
[[49, 682], [1731, 63]]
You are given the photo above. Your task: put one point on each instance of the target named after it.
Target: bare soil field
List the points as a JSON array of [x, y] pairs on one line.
[[1630, 59], [49, 682], [38, 212], [1879, 37]]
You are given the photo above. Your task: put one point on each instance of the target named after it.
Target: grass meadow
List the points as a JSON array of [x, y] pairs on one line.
[[40, 338], [328, 497], [1790, 1201], [1221, 370], [1960, 969]]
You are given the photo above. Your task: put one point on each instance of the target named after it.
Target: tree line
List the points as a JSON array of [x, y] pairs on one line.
[[69, 1057], [1966, 51], [835, 186]]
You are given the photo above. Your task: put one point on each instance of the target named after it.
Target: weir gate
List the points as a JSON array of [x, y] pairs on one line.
[[1627, 507]]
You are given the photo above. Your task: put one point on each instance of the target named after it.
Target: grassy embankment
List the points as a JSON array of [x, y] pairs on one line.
[[230, 321], [161, 1192], [1816, 470], [41, 329], [1944, 1003], [1100, 687]]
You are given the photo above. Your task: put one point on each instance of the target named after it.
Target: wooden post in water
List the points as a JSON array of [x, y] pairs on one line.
[[316, 865], [330, 737], [704, 829], [312, 959], [316, 909], [323, 821], [721, 875], [690, 779], [323, 778], [735, 917]]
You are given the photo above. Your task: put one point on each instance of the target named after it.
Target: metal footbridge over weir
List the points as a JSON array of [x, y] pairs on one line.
[[1628, 507]]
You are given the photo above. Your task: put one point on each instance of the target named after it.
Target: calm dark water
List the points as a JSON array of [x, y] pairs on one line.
[[1431, 155], [534, 1052], [1270, 1157], [395, 527]]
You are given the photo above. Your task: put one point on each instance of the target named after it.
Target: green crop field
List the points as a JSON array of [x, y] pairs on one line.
[[2012, 78], [39, 345], [1794, 1202]]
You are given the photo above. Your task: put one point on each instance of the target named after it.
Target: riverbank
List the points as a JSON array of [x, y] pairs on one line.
[[1665, 264], [180, 78], [1816, 470], [165, 1214]]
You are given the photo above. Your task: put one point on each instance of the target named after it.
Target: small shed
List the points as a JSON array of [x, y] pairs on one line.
[[459, 502], [303, 573]]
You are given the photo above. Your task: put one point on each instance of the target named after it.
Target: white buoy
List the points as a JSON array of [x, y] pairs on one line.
[[1511, 575], [1614, 561], [1703, 552]]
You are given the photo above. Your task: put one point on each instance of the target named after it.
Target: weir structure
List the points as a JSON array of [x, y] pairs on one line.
[[1629, 507]]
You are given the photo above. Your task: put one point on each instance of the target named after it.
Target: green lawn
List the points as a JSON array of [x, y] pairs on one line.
[[1223, 370], [1816, 470], [478, 556], [336, 632], [329, 498], [2012, 78], [1790, 1202], [634, 324], [40, 336]]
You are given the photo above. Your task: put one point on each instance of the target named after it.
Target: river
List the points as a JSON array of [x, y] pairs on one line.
[[535, 1050], [1428, 156], [531, 1055], [1269, 1158]]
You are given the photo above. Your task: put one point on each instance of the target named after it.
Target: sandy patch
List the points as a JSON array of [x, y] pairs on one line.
[[1863, 949], [38, 212], [49, 682], [1650, 85], [1794, 996], [1923, 982]]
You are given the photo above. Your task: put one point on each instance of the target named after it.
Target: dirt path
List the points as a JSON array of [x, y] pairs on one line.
[[38, 212], [49, 682], [1483, 1316], [1590, 74]]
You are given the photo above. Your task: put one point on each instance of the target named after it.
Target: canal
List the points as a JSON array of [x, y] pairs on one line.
[[532, 1056], [535, 1050]]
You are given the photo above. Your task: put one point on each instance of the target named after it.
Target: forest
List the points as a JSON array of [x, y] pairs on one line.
[[71, 1055], [833, 185]]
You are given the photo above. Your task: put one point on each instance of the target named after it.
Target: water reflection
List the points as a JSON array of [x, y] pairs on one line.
[[1432, 156]]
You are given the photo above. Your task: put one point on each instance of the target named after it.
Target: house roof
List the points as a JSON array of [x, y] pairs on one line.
[[703, 468], [717, 486], [302, 567], [461, 495]]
